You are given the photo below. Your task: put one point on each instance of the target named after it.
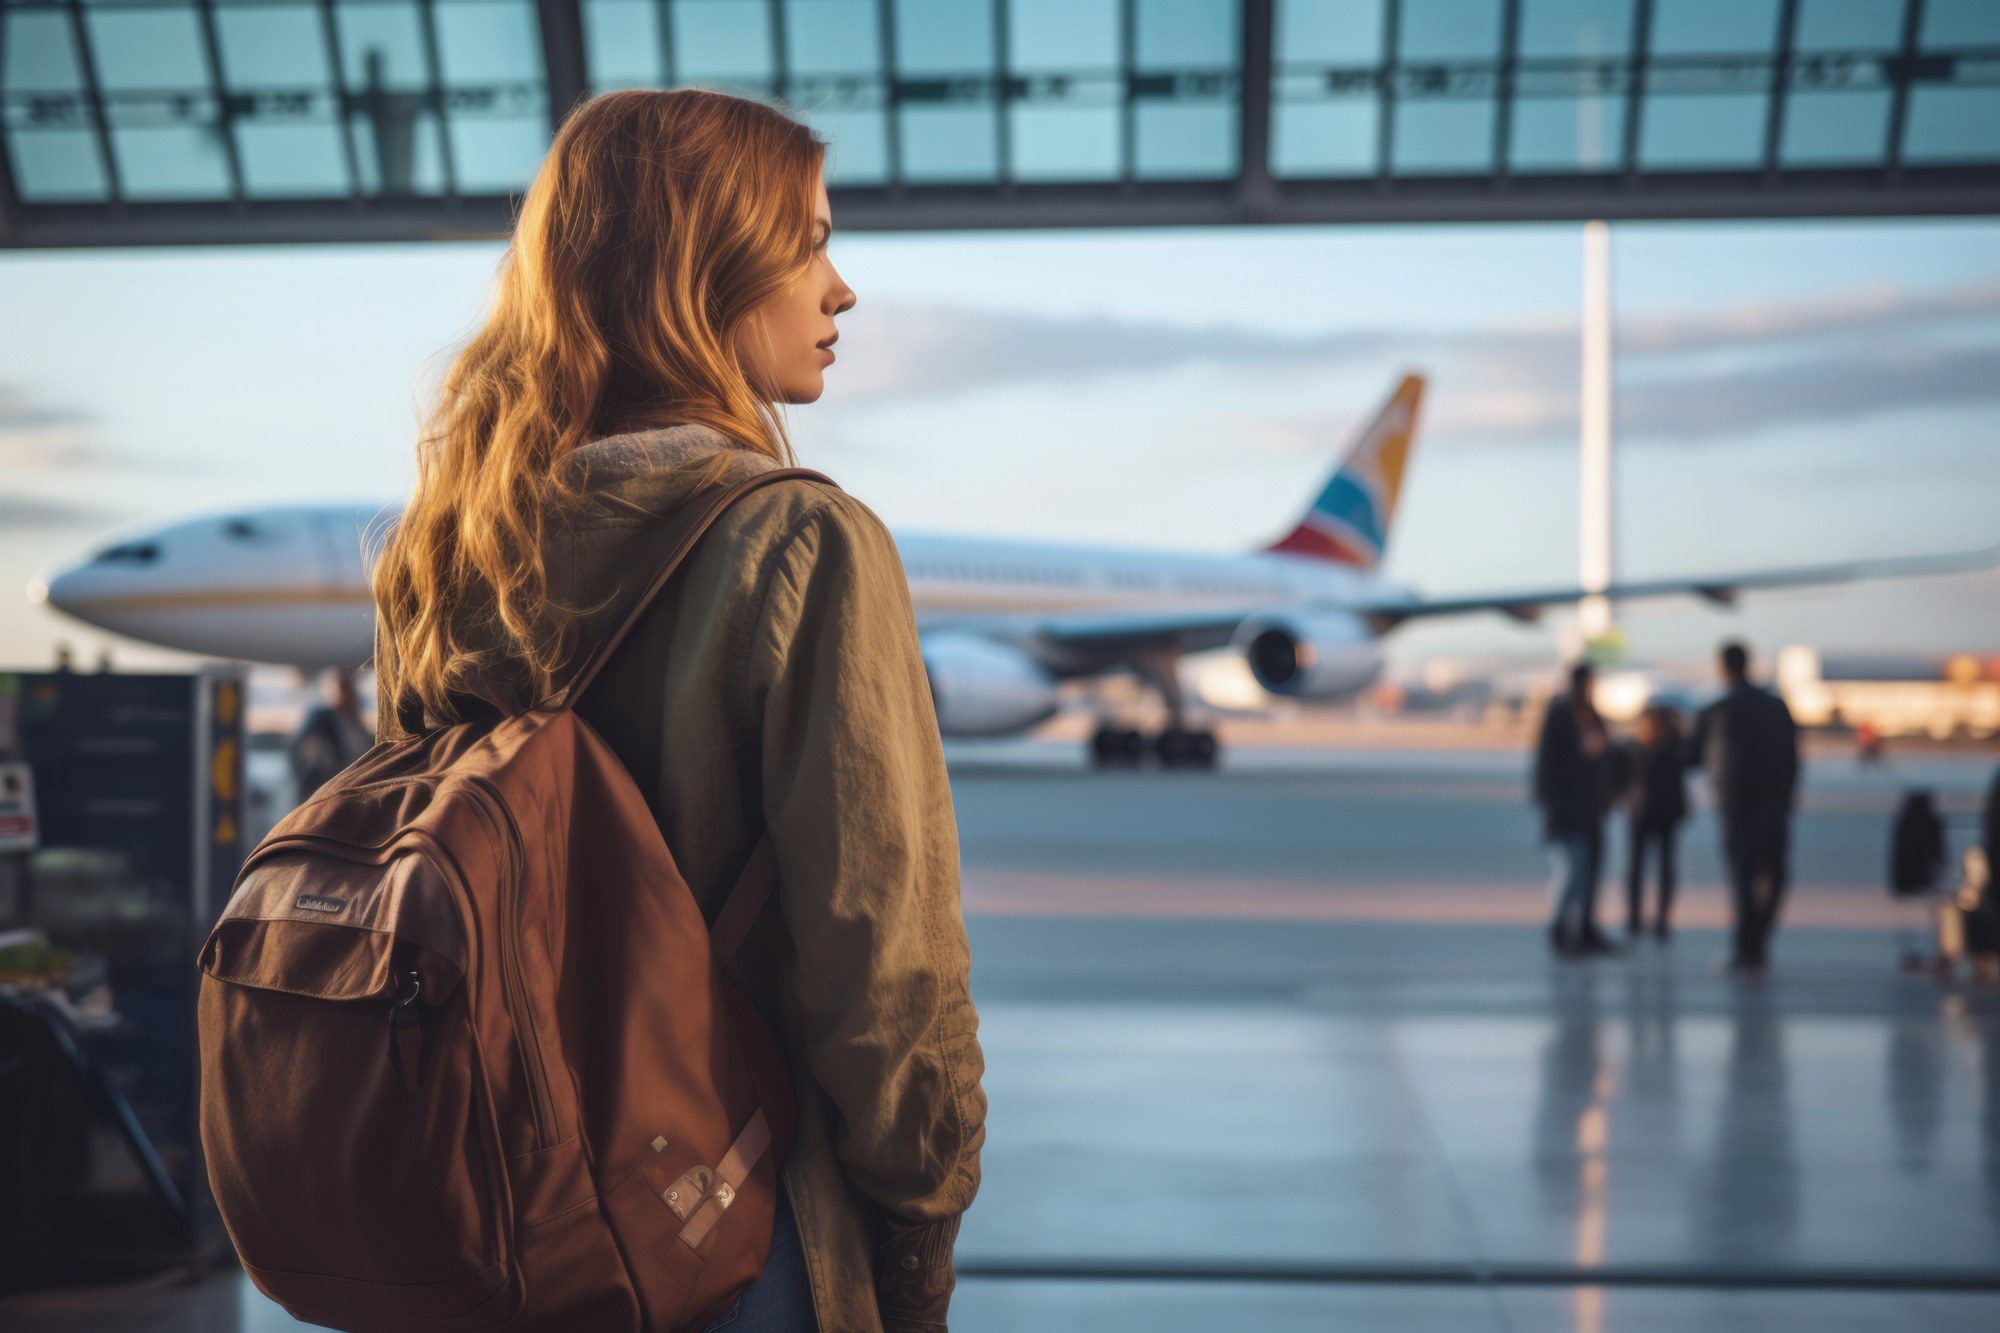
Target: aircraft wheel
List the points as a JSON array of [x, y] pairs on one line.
[[1115, 747], [1179, 748]]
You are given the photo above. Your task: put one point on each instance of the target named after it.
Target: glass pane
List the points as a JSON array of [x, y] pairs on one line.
[[382, 45], [171, 161], [1960, 23], [857, 146], [1449, 30], [1835, 129], [621, 44], [1058, 143], [1714, 27], [1953, 125], [723, 43], [833, 37], [1443, 138], [1703, 132], [291, 161], [1552, 134], [1187, 34], [1062, 35], [1332, 32], [496, 155], [272, 47], [1325, 138], [1576, 29], [147, 49], [404, 156], [56, 166], [1185, 140], [1849, 25], [480, 42], [950, 143], [944, 36], [39, 55]]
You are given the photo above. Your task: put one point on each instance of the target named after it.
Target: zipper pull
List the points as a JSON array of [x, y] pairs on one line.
[[405, 1030]]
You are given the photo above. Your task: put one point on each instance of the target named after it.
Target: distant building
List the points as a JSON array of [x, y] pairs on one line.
[[1901, 696]]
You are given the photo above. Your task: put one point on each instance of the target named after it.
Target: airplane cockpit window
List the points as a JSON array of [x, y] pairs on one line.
[[243, 530], [131, 553]]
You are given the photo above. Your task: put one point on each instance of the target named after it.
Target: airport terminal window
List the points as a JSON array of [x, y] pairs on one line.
[[975, 91], [424, 103], [271, 99], [1429, 87]]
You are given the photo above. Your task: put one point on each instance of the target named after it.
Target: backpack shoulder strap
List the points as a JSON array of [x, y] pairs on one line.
[[746, 900], [760, 875], [716, 507]]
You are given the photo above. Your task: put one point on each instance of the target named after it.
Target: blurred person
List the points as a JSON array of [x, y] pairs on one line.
[[667, 294], [1868, 744], [1916, 846], [1916, 862], [1572, 771], [331, 737], [1989, 819], [1656, 803], [1750, 746]]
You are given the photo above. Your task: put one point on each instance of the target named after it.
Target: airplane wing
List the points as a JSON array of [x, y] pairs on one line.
[[1189, 629], [1722, 589]]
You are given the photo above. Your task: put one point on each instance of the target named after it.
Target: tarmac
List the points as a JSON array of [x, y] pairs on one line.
[[1282, 1047]]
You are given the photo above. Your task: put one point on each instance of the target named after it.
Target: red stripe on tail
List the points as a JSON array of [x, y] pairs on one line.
[[1307, 540]]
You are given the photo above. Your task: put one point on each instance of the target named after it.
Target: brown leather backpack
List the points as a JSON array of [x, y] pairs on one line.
[[469, 1058]]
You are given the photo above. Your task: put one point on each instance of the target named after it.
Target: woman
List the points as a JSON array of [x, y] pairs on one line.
[[1656, 803], [668, 290]]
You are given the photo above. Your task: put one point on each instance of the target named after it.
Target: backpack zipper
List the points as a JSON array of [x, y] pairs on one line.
[[514, 985]]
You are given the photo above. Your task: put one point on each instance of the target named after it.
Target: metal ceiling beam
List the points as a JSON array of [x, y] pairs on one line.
[[1926, 192]]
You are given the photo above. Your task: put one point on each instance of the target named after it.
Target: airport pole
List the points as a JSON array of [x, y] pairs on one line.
[[1594, 611]]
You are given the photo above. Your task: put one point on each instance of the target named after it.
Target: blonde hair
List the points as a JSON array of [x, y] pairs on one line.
[[656, 224]]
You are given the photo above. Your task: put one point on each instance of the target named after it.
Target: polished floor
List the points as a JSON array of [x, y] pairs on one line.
[[1280, 1048]]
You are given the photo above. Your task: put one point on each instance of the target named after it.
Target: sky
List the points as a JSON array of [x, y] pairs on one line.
[[1786, 393]]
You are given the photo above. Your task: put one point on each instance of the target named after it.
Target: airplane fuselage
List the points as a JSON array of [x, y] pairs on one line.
[[288, 585]]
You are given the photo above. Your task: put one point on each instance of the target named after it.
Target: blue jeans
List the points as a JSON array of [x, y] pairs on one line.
[[780, 1300], [1574, 922]]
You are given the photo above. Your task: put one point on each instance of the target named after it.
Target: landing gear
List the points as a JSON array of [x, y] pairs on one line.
[[1179, 747], [1116, 747], [1176, 747]]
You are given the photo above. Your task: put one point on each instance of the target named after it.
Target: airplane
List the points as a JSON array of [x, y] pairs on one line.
[[1001, 623]]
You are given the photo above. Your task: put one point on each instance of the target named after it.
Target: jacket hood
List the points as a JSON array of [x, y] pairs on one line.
[[617, 461], [604, 548]]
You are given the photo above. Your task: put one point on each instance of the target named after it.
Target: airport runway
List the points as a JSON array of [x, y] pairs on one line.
[[1279, 1048]]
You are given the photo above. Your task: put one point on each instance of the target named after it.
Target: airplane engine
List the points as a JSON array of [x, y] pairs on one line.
[[983, 688], [1310, 654]]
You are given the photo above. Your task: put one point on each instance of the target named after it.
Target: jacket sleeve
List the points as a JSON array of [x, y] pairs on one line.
[[859, 807]]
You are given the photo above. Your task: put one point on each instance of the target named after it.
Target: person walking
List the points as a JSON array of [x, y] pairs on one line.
[[1572, 760], [1750, 746], [1656, 803], [331, 737], [667, 293]]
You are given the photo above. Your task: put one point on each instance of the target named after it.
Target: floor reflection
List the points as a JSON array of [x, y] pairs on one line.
[[1748, 1208]]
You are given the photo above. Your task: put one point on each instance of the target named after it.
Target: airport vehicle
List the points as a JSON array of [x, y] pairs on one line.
[[1002, 622]]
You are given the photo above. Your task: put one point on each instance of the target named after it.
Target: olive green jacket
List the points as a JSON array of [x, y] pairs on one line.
[[777, 681]]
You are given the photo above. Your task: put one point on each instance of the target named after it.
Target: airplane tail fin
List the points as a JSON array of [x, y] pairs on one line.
[[1349, 522]]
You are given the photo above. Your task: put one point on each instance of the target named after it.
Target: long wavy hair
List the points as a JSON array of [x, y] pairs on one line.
[[657, 223]]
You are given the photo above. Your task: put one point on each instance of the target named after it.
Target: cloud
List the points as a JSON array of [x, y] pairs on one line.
[[932, 350], [1798, 362], [27, 511], [1872, 308], [1820, 389], [33, 435]]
